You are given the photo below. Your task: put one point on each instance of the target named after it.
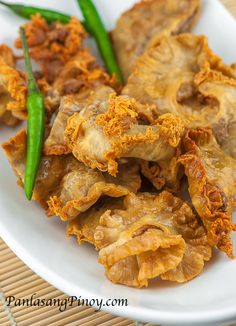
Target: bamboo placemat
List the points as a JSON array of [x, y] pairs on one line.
[[18, 280]]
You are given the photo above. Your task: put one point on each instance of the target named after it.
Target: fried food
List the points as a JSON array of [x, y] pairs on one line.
[[212, 185], [112, 128], [167, 75], [66, 66], [182, 76], [149, 236], [56, 143], [162, 237], [146, 23], [146, 174], [52, 169], [59, 49], [66, 187], [82, 187], [12, 89], [53, 45]]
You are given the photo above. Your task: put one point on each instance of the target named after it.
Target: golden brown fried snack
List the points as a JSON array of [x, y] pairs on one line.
[[52, 45], [67, 67], [12, 89], [56, 143], [149, 236], [212, 185], [65, 63], [162, 236], [111, 129], [67, 186], [168, 75], [82, 187], [51, 171], [146, 23], [181, 75]]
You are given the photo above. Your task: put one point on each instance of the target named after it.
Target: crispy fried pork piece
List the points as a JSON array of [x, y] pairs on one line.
[[52, 45], [181, 75], [65, 63], [212, 185], [146, 23], [12, 89], [82, 187], [162, 237], [150, 236], [67, 67], [66, 185], [112, 128], [56, 143], [52, 168], [167, 75]]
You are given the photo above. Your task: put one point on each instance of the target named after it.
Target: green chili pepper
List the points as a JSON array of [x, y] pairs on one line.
[[35, 125], [97, 29], [27, 12]]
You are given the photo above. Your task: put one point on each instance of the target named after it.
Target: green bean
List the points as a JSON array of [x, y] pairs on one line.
[[97, 29], [35, 125], [28, 11]]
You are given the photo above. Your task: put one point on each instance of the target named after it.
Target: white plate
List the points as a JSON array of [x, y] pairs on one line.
[[41, 243]]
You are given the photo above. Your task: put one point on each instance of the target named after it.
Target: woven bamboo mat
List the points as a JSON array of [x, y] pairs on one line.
[[18, 280]]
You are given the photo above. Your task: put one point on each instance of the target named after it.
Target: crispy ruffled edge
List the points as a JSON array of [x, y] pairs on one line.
[[216, 219], [170, 129], [15, 147], [82, 233], [75, 207], [191, 265], [135, 241]]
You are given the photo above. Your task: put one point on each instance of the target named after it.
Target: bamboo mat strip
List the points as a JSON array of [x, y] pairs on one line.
[[18, 280]]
